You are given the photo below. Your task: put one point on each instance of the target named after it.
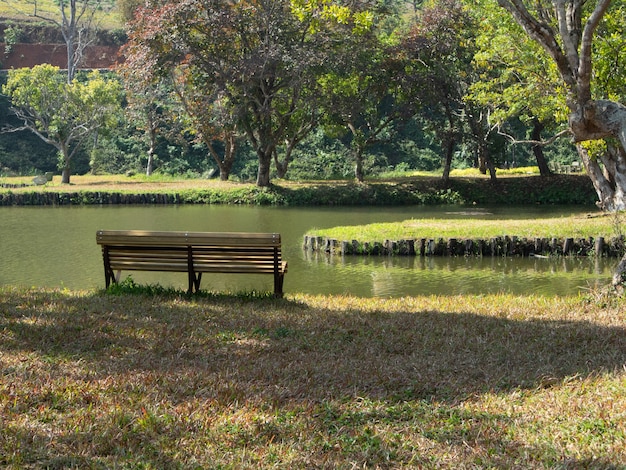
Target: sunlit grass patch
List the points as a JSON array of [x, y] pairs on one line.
[[106, 15], [477, 224], [158, 379]]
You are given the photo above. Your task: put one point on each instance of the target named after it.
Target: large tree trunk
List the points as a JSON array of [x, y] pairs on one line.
[[263, 174], [601, 120]]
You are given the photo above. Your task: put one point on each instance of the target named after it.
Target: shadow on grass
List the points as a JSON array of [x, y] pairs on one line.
[[400, 367]]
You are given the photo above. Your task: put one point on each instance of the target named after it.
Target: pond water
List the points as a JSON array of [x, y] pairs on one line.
[[56, 247]]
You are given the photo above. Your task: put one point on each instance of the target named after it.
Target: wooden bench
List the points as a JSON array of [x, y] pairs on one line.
[[192, 252]]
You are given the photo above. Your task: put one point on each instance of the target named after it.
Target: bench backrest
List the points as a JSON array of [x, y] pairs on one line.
[[207, 239]]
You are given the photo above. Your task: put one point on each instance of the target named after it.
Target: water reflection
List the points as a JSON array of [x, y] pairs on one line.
[[392, 276]]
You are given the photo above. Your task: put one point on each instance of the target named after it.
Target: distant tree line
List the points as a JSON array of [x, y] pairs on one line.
[[302, 90]]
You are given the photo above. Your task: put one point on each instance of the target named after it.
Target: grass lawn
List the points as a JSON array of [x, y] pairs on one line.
[[107, 15], [476, 226], [96, 380]]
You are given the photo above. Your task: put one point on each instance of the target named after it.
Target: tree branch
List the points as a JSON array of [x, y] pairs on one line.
[[543, 34], [543, 143], [585, 66]]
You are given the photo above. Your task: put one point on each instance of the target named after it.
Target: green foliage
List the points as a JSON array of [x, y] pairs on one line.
[[244, 195], [509, 85], [317, 12], [260, 69], [64, 115], [610, 55], [13, 34]]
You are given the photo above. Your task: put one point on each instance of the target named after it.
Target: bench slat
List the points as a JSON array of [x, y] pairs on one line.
[[142, 238]]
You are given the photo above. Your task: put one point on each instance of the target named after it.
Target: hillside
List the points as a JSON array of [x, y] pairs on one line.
[[26, 41]]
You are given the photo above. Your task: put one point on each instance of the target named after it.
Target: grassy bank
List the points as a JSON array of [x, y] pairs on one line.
[[478, 233], [118, 189], [480, 224], [94, 380]]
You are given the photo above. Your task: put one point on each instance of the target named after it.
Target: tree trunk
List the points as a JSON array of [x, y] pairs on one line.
[[281, 167], [601, 120], [152, 135], [359, 173], [492, 169], [483, 156], [150, 163], [447, 164], [225, 163], [482, 165], [263, 174], [570, 48], [538, 126], [66, 172]]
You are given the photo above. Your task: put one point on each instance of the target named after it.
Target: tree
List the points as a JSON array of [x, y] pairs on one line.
[[64, 115], [368, 90], [518, 80], [366, 96], [210, 119], [566, 31], [257, 56], [440, 44], [151, 107], [77, 21]]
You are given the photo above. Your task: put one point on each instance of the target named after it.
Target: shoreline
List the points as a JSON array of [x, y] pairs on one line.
[[420, 190], [506, 246]]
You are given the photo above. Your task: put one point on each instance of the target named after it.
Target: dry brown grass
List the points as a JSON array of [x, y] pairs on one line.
[[118, 183], [92, 380]]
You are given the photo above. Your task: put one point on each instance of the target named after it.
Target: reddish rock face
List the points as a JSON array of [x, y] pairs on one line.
[[29, 55]]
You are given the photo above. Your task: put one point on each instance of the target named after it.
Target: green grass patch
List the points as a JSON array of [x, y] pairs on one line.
[[481, 225], [95, 380], [107, 14]]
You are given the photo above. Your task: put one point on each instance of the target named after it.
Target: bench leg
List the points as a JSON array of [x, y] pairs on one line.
[[278, 285], [110, 276], [194, 282]]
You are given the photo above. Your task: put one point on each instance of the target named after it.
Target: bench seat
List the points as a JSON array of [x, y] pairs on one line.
[[192, 252]]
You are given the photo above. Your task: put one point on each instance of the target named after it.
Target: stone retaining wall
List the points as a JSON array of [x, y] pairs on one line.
[[36, 198], [510, 246]]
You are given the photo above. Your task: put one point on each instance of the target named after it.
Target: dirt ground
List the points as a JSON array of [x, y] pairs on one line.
[[29, 55], [111, 182]]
